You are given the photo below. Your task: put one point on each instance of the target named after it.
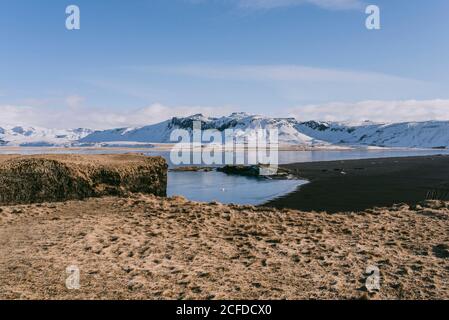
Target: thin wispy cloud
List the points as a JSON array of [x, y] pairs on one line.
[[287, 73], [279, 86], [326, 4], [274, 85], [274, 4]]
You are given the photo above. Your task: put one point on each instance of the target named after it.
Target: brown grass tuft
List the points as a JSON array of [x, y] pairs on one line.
[[50, 178]]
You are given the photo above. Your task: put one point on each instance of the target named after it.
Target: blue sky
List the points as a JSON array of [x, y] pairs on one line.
[[141, 61]]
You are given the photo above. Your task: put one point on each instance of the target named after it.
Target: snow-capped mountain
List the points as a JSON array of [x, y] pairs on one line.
[[242, 125], [38, 137], [428, 134]]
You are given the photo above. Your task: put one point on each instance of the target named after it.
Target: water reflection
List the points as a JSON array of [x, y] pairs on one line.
[[217, 186]]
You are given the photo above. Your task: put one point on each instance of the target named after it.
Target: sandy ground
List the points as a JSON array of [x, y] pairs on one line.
[[144, 247]]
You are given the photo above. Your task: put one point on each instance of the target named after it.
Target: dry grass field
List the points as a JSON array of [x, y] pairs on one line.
[[145, 247]]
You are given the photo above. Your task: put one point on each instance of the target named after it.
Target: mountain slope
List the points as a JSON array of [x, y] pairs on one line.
[[242, 124], [429, 134], [35, 136]]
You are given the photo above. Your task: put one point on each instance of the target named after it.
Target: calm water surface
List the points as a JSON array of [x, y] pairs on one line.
[[217, 186]]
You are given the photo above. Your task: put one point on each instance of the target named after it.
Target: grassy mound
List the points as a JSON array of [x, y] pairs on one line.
[[50, 178]]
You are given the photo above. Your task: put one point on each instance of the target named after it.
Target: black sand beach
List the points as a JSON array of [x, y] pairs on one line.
[[355, 185]]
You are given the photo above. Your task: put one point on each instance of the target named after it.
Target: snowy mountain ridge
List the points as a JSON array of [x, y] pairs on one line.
[[240, 123], [426, 134], [40, 137]]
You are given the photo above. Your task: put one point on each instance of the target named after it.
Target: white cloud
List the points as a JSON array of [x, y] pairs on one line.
[[157, 112], [74, 101], [378, 111], [14, 115], [97, 118]]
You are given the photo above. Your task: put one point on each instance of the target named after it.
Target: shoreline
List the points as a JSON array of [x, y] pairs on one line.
[[160, 147], [357, 185]]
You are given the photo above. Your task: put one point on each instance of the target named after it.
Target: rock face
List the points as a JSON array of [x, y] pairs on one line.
[[51, 178], [259, 170], [251, 171]]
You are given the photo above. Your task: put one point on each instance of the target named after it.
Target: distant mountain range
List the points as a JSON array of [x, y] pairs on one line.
[[36, 136], [427, 134]]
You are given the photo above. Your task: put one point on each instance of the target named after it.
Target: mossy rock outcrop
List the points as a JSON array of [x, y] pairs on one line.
[[51, 178]]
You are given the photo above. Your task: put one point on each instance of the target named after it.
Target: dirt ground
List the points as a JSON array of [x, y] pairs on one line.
[[145, 247]]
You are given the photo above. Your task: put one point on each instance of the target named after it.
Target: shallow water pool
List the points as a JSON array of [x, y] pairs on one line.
[[218, 186]]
